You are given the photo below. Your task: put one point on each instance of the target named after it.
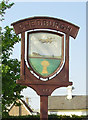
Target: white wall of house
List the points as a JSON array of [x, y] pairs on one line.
[[69, 112]]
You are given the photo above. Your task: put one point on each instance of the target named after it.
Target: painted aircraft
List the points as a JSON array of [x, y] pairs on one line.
[[48, 40]]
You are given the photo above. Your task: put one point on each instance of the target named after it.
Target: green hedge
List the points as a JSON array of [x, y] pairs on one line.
[[50, 117]]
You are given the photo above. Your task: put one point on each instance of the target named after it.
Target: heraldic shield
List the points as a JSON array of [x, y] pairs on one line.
[[45, 52]]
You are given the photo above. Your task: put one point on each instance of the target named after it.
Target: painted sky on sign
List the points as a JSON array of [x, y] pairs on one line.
[[74, 12], [45, 44]]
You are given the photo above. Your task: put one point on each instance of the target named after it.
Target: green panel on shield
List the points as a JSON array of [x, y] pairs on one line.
[[44, 67]]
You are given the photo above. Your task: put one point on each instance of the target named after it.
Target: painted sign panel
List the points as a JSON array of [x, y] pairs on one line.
[[45, 52]]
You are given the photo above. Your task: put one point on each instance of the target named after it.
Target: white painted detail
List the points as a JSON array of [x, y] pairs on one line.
[[31, 71], [44, 79], [52, 76], [36, 75], [27, 63], [60, 68]]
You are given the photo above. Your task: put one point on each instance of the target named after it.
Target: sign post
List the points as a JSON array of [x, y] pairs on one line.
[[43, 107], [47, 64]]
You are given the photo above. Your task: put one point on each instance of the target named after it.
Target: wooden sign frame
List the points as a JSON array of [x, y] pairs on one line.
[[45, 88]]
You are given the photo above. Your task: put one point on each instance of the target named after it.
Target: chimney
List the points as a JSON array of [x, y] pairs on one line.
[[27, 100], [69, 92]]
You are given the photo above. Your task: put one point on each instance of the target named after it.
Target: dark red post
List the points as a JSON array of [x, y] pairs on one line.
[[22, 66], [43, 107], [67, 57]]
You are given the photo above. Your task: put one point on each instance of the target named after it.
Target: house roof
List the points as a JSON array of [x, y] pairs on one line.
[[62, 103], [25, 104]]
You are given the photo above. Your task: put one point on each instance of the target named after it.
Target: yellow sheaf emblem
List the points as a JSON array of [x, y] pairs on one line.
[[45, 64]]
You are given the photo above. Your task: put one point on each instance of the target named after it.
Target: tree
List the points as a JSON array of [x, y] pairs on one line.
[[10, 67], [3, 6]]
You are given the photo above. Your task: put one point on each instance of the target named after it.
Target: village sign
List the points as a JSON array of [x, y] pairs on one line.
[[47, 64]]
